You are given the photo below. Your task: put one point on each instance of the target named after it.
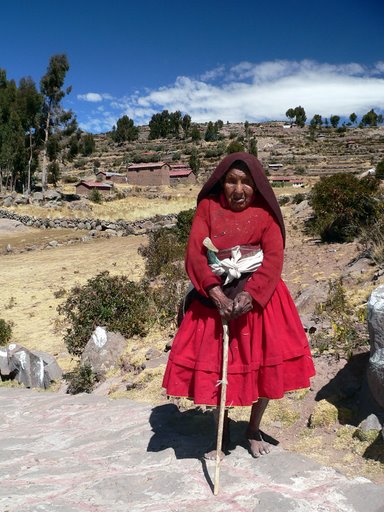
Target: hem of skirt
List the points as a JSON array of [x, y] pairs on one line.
[[232, 406]]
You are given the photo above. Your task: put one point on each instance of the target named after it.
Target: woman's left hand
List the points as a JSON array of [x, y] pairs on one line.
[[242, 303]]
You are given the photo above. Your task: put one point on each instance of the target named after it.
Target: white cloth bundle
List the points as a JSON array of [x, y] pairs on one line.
[[234, 266]]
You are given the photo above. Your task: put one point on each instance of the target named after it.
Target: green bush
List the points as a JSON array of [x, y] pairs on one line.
[[184, 223], [373, 240], [110, 301], [167, 245], [5, 331], [81, 380], [95, 196], [348, 332], [169, 291], [283, 200], [163, 247], [342, 205], [298, 198], [234, 147], [380, 170], [69, 179]]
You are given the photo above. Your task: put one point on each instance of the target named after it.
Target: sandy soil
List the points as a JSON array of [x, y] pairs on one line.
[[30, 280]]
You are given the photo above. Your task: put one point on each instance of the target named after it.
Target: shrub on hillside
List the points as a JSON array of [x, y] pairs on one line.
[[169, 291], [373, 240], [163, 247], [110, 301], [69, 179], [81, 380], [235, 146], [342, 205], [167, 245], [5, 331], [184, 223], [380, 170], [299, 198], [349, 330], [95, 196]]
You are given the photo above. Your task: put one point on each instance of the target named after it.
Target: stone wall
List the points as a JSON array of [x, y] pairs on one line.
[[119, 226]]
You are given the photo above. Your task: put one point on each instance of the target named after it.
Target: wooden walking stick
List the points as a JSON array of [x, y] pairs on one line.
[[220, 426]]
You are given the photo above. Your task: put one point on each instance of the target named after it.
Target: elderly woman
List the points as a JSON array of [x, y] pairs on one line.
[[268, 352]]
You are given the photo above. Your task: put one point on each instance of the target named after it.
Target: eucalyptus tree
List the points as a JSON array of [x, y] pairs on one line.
[[56, 121], [125, 130], [12, 156], [186, 124], [334, 120], [29, 104]]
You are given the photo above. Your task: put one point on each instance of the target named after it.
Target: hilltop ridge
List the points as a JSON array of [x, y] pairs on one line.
[[328, 151]]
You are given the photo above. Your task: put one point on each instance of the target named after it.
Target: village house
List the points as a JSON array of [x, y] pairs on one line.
[[281, 181], [149, 174], [181, 173], [275, 166], [84, 188], [114, 177]]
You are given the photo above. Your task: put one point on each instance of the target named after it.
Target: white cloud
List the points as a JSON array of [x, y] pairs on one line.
[[257, 92], [213, 74], [94, 97]]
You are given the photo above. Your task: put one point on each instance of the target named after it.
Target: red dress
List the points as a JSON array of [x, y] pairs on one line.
[[268, 350]]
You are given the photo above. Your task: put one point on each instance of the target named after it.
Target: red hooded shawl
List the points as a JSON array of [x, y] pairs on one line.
[[213, 185]]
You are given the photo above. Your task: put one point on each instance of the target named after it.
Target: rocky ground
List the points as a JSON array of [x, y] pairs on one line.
[[322, 422], [64, 453]]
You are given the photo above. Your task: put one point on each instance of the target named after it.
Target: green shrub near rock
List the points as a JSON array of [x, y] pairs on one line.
[[113, 302], [343, 205], [81, 380], [5, 331]]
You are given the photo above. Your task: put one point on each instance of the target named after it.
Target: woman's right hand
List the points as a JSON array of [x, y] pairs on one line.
[[221, 301]]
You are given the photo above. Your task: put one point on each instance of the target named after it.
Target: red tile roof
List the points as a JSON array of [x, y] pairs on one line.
[[95, 184], [176, 173], [149, 165]]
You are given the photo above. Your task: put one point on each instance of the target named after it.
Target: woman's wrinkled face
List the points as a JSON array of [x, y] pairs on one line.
[[239, 189]]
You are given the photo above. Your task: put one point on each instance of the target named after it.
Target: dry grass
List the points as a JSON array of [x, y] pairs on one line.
[[129, 209], [36, 282]]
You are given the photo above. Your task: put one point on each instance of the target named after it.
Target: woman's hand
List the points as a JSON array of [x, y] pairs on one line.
[[222, 302], [242, 303]]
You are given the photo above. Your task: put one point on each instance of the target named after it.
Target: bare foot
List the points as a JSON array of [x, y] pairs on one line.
[[211, 452], [257, 445]]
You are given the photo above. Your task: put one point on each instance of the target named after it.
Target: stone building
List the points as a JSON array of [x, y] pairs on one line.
[[149, 174], [84, 188], [181, 173], [114, 177]]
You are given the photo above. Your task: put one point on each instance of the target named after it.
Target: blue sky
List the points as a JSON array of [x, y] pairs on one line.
[[231, 60]]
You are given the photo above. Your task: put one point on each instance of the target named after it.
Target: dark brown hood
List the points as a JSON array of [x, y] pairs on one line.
[[213, 185]]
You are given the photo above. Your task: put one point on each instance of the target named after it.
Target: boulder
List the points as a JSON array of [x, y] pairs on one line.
[[103, 350], [376, 339], [38, 196], [303, 210], [8, 201], [20, 199], [31, 368], [308, 299], [52, 195]]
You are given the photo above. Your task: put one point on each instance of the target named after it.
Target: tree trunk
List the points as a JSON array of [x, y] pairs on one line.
[[44, 169], [29, 163]]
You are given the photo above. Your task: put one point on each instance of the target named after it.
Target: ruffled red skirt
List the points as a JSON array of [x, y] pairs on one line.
[[268, 354]]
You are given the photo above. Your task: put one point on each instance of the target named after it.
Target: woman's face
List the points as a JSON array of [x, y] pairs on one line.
[[239, 189]]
